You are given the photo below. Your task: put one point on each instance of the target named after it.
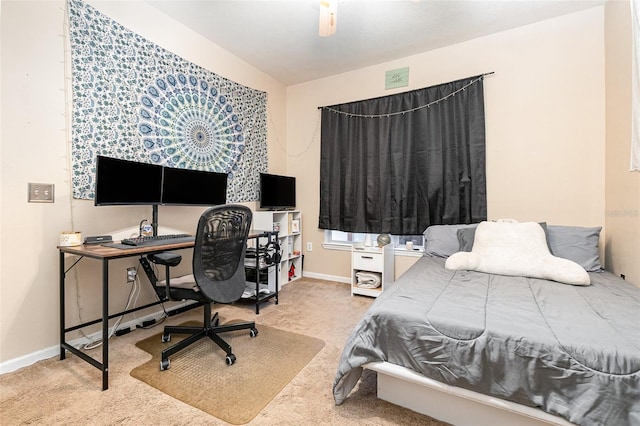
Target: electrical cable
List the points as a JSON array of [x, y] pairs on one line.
[[306, 149], [97, 343]]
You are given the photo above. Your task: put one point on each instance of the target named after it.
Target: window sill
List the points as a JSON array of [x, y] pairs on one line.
[[337, 246], [398, 251]]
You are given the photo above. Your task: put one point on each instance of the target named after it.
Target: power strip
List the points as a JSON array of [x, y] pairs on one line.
[[146, 324], [123, 331]]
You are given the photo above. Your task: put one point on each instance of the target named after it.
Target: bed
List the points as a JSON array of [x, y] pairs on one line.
[[508, 345]]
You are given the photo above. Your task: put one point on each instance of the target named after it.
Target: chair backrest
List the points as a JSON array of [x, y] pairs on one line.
[[218, 257]]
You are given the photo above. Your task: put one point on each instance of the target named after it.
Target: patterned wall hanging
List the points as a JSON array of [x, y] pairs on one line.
[[136, 101]]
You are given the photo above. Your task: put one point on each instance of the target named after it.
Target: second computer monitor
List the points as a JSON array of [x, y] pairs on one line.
[[188, 187]]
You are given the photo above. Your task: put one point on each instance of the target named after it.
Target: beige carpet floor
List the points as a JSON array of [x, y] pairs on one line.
[[54, 392]]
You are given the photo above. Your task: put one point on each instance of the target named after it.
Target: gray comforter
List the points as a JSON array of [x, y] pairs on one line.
[[571, 351]]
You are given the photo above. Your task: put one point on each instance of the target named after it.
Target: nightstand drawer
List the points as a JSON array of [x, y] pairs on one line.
[[368, 261]]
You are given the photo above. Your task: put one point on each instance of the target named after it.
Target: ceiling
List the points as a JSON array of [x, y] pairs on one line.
[[281, 38]]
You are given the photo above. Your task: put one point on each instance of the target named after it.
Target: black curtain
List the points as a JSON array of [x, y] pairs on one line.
[[399, 163]]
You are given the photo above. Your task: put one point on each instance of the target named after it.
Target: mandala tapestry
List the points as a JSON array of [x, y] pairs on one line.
[[136, 101]]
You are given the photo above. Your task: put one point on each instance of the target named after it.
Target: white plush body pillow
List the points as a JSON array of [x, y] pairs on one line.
[[519, 249]]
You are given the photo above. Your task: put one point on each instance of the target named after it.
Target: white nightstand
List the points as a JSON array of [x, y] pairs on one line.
[[372, 259]]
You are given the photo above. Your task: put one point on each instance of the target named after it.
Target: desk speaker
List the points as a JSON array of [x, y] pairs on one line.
[[100, 239]]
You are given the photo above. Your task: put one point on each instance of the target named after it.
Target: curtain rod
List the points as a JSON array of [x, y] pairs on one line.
[[483, 75]]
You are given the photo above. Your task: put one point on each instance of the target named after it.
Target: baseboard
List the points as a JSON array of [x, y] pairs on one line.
[[53, 351], [29, 359], [326, 277]]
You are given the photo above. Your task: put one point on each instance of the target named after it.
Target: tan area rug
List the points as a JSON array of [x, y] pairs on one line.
[[199, 376]]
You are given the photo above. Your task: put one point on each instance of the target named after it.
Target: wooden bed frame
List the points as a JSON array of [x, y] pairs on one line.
[[452, 404]]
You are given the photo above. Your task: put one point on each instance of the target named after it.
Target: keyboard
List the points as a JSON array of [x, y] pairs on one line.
[[158, 240]]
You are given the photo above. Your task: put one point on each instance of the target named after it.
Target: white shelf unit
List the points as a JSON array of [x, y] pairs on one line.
[[372, 259], [288, 223]]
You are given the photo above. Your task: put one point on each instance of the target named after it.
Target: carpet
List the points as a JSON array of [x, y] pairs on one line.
[[199, 376]]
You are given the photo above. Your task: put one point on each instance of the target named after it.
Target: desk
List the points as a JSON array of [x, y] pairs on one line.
[[106, 254]]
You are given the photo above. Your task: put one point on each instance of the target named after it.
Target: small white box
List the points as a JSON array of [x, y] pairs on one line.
[[272, 278]]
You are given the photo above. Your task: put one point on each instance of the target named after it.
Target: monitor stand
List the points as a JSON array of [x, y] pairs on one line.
[[154, 220]]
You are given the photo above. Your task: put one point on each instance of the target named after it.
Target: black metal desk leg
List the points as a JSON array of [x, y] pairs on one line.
[[277, 283], [62, 309], [105, 324]]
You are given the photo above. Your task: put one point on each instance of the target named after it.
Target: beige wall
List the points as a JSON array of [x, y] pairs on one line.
[[622, 201], [35, 148], [544, 121]]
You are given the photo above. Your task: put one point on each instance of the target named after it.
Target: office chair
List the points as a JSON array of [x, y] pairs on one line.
[[218, 270]]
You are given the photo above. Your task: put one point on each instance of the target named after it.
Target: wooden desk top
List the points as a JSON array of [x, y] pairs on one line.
[[98, 251]]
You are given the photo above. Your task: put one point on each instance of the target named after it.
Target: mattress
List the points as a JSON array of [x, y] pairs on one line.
[[571, 351]]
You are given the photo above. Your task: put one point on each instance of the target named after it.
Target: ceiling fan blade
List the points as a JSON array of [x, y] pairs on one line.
[[328, 17]]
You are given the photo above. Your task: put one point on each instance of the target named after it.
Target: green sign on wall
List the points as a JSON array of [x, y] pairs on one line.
[[396, 78]]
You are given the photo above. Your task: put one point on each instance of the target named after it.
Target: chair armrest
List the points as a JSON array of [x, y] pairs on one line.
[[165, 258]]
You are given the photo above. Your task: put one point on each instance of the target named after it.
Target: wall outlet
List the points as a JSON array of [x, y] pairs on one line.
[[309, 246], [131, 274], [40, 193]]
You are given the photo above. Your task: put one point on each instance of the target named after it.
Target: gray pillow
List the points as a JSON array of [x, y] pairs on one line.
[[466, 236], [576, 243], [442, 240]]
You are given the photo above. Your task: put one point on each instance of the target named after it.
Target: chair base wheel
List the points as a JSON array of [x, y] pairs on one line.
[[230, 359], [166, 338], [253, 332], [164, 364]]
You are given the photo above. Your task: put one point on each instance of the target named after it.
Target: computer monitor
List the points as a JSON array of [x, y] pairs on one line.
[[277, 192], [188, 187], [123, 182]]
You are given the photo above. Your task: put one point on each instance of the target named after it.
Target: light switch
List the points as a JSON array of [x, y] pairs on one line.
[[40, 193]]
